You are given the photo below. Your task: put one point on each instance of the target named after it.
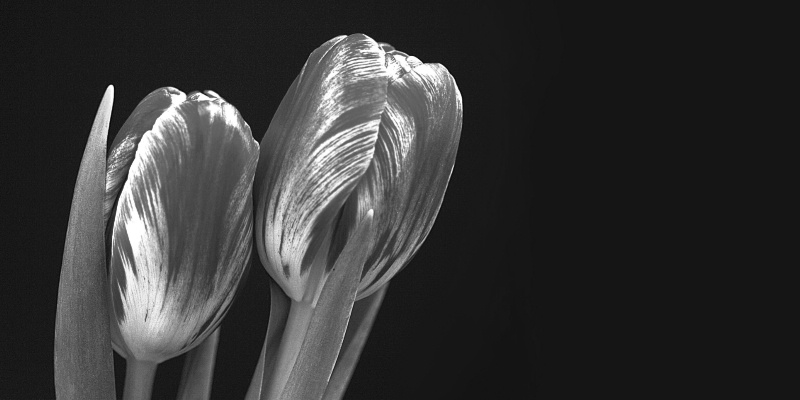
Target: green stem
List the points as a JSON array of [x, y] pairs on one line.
[[139, 377], [300, 313]]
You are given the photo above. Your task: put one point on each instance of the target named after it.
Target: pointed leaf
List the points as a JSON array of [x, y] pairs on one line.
[[198, 370], [364, 313], [84, 367], [278, 313], [314, 364]]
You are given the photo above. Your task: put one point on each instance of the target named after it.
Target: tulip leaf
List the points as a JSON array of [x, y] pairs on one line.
[[83, 360], [198, 370], [323, 340], [278, 314], [364, 313]]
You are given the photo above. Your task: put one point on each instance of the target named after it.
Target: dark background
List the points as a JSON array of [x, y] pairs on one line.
[[470, 315]]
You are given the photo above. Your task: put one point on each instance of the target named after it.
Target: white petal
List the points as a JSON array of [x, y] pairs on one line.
[[318, 146], [182, 228], [408, 177], [124, 146]]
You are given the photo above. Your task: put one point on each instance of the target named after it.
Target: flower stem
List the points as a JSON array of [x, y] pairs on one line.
[[139, 376], [300, 313]]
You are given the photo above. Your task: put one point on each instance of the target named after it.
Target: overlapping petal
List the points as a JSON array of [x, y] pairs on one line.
[[408, 176], [182, 229], [319, 144], [123, 148]]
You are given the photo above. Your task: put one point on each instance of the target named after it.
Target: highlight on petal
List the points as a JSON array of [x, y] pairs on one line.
[[182, 230], [123, 148], [318, 145], [399, 63], [408, 176]]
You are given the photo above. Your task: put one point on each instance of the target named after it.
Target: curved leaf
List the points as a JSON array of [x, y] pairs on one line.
[[278, 313], [323, 340], [198, 370], [364, 313]]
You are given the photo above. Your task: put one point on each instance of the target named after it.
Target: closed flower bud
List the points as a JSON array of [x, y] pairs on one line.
[[179, 220], [363, 127]]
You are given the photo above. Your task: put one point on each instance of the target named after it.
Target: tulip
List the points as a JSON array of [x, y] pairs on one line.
[[178, 208], [363, 130], [362, 127]]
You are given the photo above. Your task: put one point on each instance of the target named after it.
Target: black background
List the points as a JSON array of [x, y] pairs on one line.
[[468, 317]]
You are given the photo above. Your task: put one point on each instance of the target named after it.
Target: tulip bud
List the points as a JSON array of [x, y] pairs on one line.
[[179, 210], [362, 127]]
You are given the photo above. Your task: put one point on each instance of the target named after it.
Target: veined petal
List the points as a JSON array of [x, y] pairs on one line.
[[123, 148], [399, 63], [408, 176], [317, 147], [182, 229]]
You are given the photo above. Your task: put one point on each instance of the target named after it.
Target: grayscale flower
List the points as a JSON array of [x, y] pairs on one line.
[[362, 127], [179, 221]]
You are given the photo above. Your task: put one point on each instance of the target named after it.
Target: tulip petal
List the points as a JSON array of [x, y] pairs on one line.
[[83, 362], [318, 145], [123, 149], [182, 229], [408, 176]]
